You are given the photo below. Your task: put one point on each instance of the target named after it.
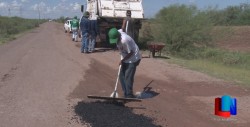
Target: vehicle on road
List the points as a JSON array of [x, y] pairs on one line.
[[67, 26], [110, 13]]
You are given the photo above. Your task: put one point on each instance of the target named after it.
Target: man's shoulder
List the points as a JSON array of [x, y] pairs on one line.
[[125, 35], [125, 38], [83, 18], [120, 30], [75, 20]]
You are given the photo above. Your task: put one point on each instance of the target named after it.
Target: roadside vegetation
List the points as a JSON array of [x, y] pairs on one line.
[[190, 37], [62, 19], [231, 66], [10, 27]]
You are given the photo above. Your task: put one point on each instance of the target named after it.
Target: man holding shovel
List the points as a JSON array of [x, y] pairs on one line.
[[130, 59]]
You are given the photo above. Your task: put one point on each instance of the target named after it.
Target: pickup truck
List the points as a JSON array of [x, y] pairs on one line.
[[67, 26]]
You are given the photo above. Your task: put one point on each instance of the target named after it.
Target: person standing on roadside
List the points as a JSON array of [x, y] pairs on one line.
[[85, 29], [128, 24], [75, 28], [94, 32], [130, 59]]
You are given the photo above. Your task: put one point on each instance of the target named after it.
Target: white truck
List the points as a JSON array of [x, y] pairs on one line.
[[110, 13], [67, 26]]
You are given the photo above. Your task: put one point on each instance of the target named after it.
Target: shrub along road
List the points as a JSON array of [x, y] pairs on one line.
[[45, 80]]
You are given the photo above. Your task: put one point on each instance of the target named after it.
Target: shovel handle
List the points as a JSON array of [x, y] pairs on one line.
[[117, 78]]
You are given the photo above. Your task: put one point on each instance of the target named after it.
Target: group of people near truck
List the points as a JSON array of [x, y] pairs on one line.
[[122, 38], [88, 30]]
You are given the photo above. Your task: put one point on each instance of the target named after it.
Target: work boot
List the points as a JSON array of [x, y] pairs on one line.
[[86, 52], [131, 96]]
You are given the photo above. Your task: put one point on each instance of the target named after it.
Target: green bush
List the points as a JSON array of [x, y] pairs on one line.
[[210, 53], [189, 32], [183, 28], [228, 58], [233, 58], [145, 35], [232, 15]]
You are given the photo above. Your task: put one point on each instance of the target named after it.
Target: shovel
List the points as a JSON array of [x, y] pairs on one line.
[[115, 94]]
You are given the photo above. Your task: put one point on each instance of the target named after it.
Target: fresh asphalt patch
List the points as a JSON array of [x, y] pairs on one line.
[[110, 114]]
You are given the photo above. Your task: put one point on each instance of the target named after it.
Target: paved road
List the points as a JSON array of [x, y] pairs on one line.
[[43, 76]]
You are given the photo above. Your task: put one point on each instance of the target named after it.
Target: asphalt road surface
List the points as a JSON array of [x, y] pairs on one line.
[[45, 80]]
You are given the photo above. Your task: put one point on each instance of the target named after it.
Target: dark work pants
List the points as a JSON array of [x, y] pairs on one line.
[[126, 76]]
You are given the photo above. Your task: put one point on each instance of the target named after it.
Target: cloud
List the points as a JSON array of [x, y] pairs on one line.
[[48, 10], [41, 6], [3, 5], [15, 4], [24, 1], [75, 6], [192, 1], [63, 7], [30, 8]]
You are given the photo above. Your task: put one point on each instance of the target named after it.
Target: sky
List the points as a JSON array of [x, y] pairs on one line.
[[70, 8]]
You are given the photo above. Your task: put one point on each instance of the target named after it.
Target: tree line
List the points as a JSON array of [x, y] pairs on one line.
[[187, 30]]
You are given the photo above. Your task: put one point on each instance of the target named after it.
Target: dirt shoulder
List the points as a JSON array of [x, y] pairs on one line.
[[236, 39]]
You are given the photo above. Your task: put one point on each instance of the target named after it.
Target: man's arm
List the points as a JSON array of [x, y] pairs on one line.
[[81, 25], [97, 28], [130, 53], [87, 27], [127, 57], [70, 22], [124, 25], [78, 22]]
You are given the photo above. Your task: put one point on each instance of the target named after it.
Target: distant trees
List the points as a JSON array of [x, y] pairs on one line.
[[62, 19], [232, 15], [185, 29]]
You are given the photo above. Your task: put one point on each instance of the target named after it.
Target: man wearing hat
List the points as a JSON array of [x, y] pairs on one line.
[[130, 59], [85, 28]]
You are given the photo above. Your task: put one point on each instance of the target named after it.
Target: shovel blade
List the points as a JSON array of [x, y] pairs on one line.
[[114, 99], [114, 95]]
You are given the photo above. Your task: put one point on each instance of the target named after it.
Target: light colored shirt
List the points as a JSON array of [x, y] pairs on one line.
[[126, 45]]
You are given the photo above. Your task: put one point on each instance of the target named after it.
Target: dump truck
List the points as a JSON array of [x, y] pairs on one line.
[[110, 13]]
